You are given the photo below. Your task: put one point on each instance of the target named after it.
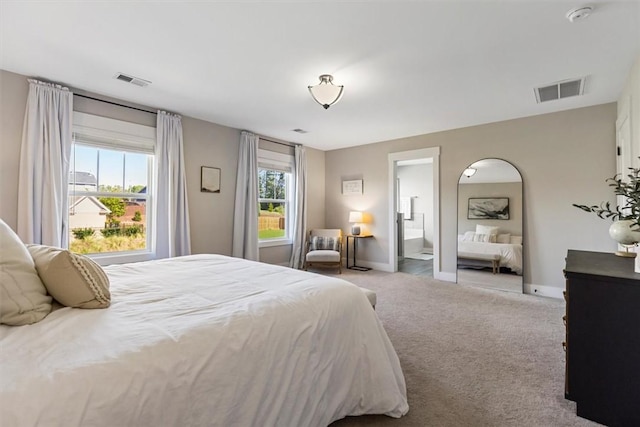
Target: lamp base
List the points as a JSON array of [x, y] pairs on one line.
[[355, 230]]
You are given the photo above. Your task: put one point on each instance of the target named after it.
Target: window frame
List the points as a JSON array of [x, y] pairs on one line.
[[116, 135], [271, 160]]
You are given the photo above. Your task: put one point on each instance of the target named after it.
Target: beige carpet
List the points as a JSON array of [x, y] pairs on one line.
[[471, 356]]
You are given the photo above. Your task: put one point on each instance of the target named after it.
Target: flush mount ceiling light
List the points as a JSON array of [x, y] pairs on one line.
[[326, 93], [579, 13], [469, 172]]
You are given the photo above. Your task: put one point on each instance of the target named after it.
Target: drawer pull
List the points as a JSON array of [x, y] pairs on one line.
[[564, 346], [564, 294], [564, 320]]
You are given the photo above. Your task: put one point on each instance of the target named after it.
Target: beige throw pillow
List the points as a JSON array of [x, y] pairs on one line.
[[23, 297], [73, 280]]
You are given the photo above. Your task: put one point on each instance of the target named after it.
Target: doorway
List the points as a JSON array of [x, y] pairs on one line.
[[414, 223]]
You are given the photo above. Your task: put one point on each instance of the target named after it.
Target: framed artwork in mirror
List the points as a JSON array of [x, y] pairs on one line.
[[209, 179], [488, 208]]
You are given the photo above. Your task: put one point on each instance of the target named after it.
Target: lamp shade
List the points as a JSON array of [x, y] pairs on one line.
[[326, 93], [355, 216]]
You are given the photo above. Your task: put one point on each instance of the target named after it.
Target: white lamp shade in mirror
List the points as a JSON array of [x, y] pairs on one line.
[[355, 218]]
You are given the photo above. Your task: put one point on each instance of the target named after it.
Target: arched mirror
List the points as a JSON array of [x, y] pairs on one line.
[[490, 226]]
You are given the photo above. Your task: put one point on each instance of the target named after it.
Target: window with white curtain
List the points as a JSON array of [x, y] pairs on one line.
[[111, 195], [274, 197]]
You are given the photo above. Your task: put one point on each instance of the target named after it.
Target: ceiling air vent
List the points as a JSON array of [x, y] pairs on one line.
[[133, 80], [559, 90], [300, 130]]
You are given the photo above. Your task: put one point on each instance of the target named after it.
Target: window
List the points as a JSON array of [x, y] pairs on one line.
[[274, 198], [110, 183]]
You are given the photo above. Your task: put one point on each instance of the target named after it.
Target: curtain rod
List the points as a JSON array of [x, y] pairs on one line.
[[288, 144], [115, 103]]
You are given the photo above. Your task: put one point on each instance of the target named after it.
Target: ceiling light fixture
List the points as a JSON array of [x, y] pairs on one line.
[[326, 93], [469, 172]]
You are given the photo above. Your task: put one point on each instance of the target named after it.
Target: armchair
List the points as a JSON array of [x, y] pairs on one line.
[[324, 248]]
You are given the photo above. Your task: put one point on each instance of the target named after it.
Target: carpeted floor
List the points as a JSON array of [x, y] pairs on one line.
[[471, 356]]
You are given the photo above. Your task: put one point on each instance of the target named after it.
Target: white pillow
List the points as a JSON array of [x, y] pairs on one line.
[[23, 297], [486, 229], [485, 238], [468, 236], [516, 240], [503, 238], [74, 280]]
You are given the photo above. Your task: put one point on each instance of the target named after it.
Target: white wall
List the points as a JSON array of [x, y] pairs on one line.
[[564, 158], [205, 144], [629, 103]]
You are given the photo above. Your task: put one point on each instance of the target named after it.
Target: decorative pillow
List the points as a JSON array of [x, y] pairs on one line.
[[73, 280], [516, 240], [23, 297], [319, 243], [486, 229], [469, 236], [503, 238], [485, 238]]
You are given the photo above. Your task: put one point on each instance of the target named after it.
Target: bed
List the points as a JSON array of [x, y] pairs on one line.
[[204, 340], [510, 254]]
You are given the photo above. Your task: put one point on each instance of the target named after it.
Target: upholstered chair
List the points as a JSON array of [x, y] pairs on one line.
[[324, 248]]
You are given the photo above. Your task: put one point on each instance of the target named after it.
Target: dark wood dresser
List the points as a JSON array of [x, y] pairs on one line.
[[603, 337]]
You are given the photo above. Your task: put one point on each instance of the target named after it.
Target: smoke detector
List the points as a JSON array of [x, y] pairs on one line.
[[579, 13], [133, 80]]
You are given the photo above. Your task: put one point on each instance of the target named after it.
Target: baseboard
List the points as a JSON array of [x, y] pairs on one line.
[[543, 291], [446, 276]]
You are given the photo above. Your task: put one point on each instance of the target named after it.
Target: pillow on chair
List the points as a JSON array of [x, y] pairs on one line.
[[320, 243]]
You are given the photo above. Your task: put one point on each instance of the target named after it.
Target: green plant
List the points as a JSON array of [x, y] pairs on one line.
[[133, 230], [111, 231], [82, 233], [630, 190], [137, 216]]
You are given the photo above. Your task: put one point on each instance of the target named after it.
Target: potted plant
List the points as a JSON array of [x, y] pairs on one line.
[[626, 227]]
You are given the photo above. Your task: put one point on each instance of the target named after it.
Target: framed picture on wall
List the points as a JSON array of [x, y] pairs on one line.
[[352, 187], [209, 179], [488, 208]]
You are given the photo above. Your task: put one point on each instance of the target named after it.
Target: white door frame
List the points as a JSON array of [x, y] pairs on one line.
[[434, 154]]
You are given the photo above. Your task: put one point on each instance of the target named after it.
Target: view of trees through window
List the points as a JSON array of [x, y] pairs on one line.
[[272, 190], [107, 200]]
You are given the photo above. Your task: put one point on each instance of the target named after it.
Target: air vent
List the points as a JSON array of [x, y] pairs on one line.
[[559, 90], [299, 130], [133, 80]]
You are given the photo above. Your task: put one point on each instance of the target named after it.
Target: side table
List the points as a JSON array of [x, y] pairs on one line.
[[355, 238]]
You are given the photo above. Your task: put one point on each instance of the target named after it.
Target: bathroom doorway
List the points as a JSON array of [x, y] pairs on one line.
[[414, 226]]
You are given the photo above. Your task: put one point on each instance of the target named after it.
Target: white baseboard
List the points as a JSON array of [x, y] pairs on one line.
[[543, 291], [446, 276]]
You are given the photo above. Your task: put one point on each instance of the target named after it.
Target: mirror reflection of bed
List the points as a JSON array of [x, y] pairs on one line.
[[490, 226]]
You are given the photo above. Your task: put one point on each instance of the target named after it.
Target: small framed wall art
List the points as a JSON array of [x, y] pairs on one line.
[[351, 188], [209, 179]]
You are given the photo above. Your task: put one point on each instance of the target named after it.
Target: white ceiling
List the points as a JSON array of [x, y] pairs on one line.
[[408, 68]]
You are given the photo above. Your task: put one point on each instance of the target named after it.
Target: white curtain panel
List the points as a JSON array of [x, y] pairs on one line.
[[245, 222], [300, 208], [43, 203], [172, 210]]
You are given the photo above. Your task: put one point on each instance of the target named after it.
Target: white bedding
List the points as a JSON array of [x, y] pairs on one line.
[[204, 340], [510, 255]]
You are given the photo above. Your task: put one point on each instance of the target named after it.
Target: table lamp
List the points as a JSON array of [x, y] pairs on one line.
[[355, 218]]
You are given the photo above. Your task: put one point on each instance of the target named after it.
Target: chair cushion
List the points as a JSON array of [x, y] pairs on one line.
[[23, 297], [324, 243], [74, 280], [323, 256]]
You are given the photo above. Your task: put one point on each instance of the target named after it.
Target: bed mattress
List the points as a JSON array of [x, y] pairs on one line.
[[204, 340]]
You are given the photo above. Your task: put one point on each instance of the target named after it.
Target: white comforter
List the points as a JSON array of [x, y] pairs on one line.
[[204, 340], [510, 255]]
